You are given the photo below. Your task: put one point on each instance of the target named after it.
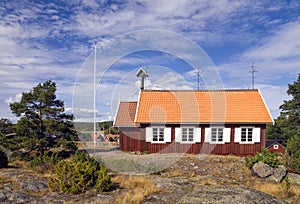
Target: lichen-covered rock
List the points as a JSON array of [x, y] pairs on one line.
[[3, 196], [214, 181], [262, 170], [294, 178], [7, 195], [80, 198], [215, 194], [33, 186], [278, 175]]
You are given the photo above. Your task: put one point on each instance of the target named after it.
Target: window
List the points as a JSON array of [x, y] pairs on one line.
[[275, 146], [187, 134], [158, 134], [216, 134], [246, 134]]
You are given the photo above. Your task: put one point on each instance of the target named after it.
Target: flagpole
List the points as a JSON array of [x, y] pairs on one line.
[[95, 130]]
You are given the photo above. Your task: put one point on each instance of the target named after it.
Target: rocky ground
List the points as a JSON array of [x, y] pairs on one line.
[[192, 179]]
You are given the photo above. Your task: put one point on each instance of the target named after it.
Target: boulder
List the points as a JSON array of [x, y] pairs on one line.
[[295, 178], [278, 175], [262, 170], [33, 186], [15, 197], [213, 194], [3, 196]]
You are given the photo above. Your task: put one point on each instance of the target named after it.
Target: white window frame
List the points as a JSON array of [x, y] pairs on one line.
[[217, 131], [189, 134], [225, 135], [256, 133], [196, 131], [159, 134], [247, 134], [166, 134], [275, 146]]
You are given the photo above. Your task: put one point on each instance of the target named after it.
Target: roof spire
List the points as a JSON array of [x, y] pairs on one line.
[[142, 74]]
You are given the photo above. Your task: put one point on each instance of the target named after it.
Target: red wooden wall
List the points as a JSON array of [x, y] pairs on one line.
[[133, 139], [280, 149]]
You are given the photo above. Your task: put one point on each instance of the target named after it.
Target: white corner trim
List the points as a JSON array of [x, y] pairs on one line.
[[137, 107], [116, 113], [266, 106]]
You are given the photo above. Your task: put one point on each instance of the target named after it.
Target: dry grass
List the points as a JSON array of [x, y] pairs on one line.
[[4, 181], [172, 173], [18, 164], [207, 181], [137, 187], [270, 188], [280, 191]]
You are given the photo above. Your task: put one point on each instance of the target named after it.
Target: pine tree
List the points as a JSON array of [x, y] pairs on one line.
[[41, 118], [293, 150], [5, 126], [288, 123]]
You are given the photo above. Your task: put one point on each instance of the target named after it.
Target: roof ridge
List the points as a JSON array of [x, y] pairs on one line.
[[211, 90], [128, 101]]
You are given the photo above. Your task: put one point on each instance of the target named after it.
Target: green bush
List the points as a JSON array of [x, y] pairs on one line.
[[52, 158], [270, 158], [251, 160], [46, 163], [103, 182], [79, 175], [3, 159], [22, 156], [68, 145]]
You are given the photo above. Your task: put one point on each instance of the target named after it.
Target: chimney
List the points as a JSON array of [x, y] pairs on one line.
[[142, 74]]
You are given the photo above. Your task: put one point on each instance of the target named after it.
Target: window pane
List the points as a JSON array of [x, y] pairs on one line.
[[214, 134], [250, 131], [161, 134], [244, 135], [184, 134], [155, 134], [191, 134], [220, 134]]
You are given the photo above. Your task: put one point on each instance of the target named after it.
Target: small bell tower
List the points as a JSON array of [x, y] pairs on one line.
[[142, 74]]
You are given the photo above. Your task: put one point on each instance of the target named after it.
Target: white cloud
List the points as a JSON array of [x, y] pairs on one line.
[[14, 99], [276, 60], [283, 44], [273, 96]]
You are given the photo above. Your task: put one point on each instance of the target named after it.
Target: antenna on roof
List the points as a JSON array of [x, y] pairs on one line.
[[142, 74], [252, 71], [198, 75]]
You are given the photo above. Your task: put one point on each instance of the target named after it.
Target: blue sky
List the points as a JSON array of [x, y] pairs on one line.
[[54, 40]]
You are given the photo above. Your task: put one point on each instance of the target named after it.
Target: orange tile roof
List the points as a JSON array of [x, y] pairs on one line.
[[125, 114], [228, 106]]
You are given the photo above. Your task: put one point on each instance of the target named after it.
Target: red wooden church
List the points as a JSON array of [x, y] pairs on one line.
[[218, 122]]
